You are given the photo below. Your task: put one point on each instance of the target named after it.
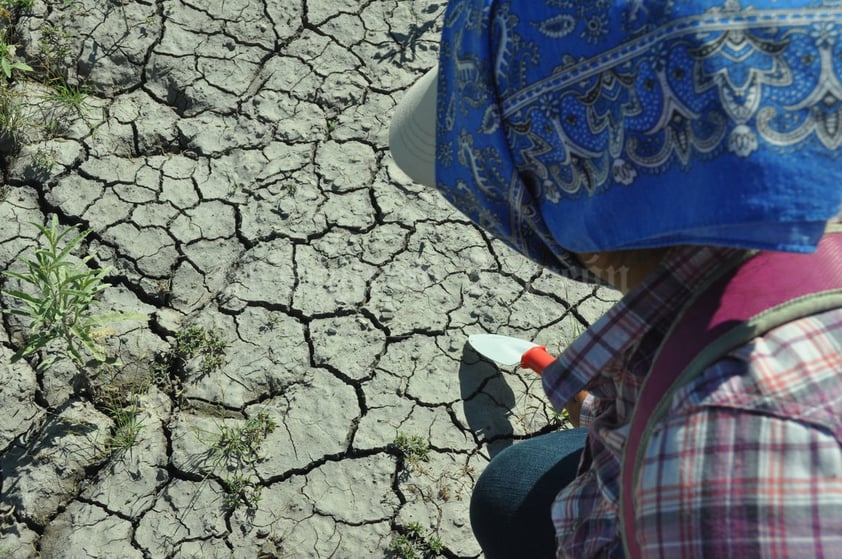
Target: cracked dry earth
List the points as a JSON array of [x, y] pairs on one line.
[[230, 158]]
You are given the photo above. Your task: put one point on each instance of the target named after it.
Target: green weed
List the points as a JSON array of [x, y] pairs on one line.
[[412, 543], [12, 4], [67, 96], [402, 548], [43, 160], [62, 291], [54, 47], [414, 448], [239, 490], [52, 60], [242, 443], [8, 64], [195, 342], [13, 119], [237, 448], [54, 51]]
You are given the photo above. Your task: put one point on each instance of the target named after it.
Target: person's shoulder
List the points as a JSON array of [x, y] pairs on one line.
[[792, 370]]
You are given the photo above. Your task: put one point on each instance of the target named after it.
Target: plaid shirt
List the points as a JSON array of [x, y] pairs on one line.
[[748, 463]]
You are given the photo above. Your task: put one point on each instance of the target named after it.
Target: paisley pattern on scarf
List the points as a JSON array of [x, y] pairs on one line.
[[575, 125]]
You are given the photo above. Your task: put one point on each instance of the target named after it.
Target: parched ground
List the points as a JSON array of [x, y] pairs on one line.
[[299, 383]]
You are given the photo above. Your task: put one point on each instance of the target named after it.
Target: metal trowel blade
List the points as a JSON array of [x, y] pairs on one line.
[[500, 349]]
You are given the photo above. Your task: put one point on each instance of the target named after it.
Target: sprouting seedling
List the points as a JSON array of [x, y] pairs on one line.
[[62, 291]]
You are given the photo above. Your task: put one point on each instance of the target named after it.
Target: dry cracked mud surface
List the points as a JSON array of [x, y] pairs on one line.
[[297, 383]]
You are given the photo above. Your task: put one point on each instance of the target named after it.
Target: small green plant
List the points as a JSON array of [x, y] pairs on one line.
[[12, 4], [196, 341], [562, 417], [62, 291], [402, 548], [43, 160], [8, 64], [54, 51], [411, 543], [242, 443], [435, 544], [239, 490], [13, 119], [414, 448], [53, 48], [68, 96], [236, 448], [169, 370], [271, 323], [127, 423]]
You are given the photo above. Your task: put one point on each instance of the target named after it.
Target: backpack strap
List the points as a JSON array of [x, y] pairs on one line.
[[765, 291]]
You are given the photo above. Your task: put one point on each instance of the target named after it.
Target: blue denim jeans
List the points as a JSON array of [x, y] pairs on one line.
[[510, 506]]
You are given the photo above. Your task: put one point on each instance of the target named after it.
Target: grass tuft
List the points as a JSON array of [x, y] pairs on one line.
[[69, 97], [13, 118], [127, 423]]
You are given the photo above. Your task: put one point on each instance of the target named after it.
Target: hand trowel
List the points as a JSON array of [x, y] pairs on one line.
[[511, 351]]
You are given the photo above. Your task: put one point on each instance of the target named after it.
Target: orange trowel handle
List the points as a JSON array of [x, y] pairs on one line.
[[536, 358]]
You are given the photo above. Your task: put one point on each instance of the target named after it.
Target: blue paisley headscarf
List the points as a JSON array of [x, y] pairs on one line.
[[590, 125]]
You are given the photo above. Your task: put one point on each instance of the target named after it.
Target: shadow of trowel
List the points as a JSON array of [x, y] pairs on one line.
[[487, 400]]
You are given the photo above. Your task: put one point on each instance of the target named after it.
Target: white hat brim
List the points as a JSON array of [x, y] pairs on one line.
[[412, 134]]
